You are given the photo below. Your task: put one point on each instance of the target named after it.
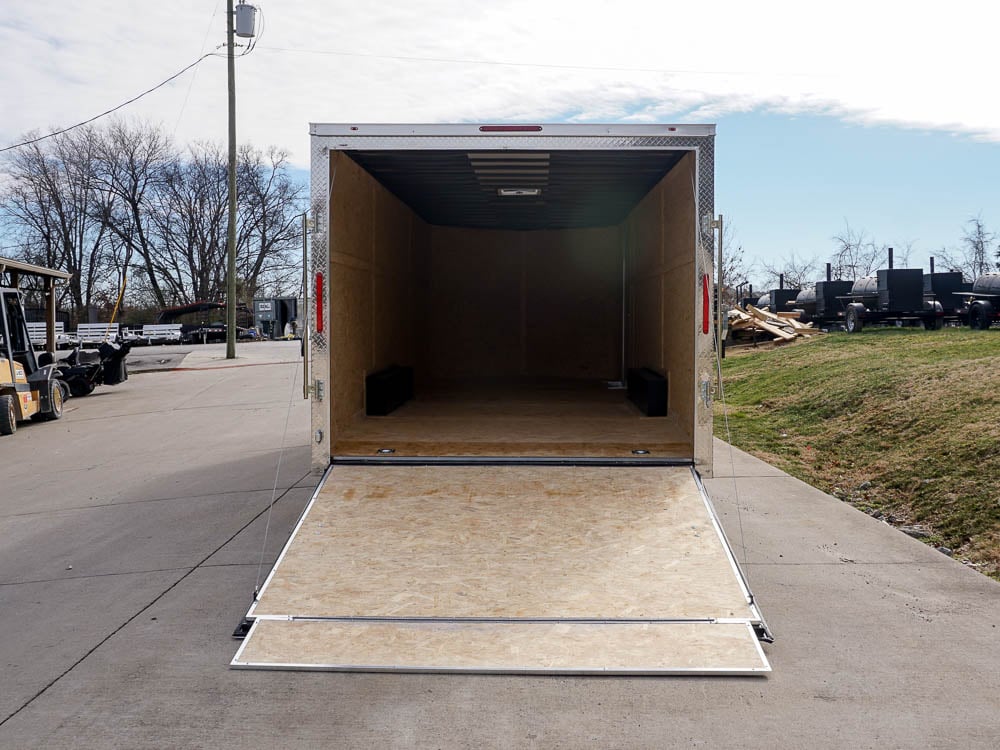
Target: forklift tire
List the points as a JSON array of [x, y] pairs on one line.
[[8, 419], [852, 320], [55, 402]]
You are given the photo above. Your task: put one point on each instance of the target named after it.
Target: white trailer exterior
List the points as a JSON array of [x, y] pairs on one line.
[[518, 513], [667, 170]]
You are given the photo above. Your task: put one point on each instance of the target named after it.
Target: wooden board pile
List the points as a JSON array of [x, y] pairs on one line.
[[753, 323]]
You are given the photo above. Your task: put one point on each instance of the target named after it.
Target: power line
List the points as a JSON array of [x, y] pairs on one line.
[[202, 50], [161, 84]]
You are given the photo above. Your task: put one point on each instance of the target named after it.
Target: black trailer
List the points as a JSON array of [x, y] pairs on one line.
[[823, 304], [894, 296], [205, 322], [982, 303], [780, 300], [777, 300], [951, 290]]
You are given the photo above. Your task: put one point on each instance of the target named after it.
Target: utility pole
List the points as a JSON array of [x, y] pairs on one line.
[[231, 236]]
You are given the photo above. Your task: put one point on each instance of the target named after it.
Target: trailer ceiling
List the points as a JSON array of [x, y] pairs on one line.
[[553, 189]]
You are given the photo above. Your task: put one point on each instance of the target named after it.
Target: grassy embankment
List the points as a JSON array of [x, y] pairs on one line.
[[905, 425]]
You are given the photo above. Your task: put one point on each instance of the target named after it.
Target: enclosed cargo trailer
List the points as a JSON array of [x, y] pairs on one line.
[[481, 297], [433, 251]]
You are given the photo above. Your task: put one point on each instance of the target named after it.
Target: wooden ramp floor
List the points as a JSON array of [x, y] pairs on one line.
[[519, 569]]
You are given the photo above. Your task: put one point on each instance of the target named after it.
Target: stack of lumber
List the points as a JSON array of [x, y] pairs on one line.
[[750, 322]]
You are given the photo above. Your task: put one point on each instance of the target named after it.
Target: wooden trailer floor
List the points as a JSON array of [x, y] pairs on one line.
[[553, 418], [509, 569]]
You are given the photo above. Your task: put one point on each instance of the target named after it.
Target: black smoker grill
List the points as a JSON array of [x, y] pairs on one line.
[[892, 296]]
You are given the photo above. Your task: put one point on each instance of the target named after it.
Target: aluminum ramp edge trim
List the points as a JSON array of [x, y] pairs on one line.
[[733, 562], [288, 543]]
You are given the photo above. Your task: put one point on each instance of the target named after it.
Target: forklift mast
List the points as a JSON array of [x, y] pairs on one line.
[[16, 343]]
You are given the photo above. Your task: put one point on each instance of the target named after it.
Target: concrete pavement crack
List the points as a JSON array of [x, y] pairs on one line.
[[157, 598], [125, 503]]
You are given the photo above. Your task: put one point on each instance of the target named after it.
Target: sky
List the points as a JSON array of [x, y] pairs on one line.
[[878, 114]]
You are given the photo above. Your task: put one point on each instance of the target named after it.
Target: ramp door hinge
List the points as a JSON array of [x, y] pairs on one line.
[[316, 389], [762, 633], [243, 628]]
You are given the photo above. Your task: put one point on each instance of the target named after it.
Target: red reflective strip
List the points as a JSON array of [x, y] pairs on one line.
[[706, 305], [510, 128], [319, 303]]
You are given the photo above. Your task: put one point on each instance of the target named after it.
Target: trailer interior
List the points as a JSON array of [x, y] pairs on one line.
[[520, 286]]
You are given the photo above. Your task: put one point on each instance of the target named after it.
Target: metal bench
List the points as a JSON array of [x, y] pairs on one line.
[[36, 332], [161, 333], [96, 333]]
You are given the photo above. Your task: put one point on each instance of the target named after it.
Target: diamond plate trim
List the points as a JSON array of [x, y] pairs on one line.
[[319, 263], [319, 190]]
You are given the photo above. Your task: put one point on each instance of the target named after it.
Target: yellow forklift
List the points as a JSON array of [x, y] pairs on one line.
[[27, 389], [31, 384]]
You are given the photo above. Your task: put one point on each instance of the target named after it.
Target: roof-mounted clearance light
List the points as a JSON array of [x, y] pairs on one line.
[[518, 192], [510, 128], [508, 155]]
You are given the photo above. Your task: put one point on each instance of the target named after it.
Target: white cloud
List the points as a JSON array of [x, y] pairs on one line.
[[918, 65]]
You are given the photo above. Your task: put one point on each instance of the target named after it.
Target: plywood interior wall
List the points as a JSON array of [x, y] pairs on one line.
[[375, 243], [660, 261], [524, 304], [464, 303]]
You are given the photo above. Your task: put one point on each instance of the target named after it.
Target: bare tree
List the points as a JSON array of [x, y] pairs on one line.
[[856, 254], [188, 221], [277, 280], [735, 271], [189, 216], [120, 204], [902, 253], [269, 230], [975, 254], [130, 166], [799, 272], [52, 202]]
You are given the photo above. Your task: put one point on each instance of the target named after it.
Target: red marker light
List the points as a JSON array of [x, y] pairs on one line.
[[319, 303], [706, 305]]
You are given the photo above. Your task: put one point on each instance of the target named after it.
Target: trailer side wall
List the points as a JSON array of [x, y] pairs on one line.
[[660, 235], [374, 242]]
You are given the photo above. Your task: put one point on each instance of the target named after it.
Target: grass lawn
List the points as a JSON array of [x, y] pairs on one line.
[[904, 424]]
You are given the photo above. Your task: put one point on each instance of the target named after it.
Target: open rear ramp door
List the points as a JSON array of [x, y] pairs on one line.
[[515, 569]]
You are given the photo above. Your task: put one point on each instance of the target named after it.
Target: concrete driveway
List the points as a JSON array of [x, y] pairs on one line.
[[131, 539]]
